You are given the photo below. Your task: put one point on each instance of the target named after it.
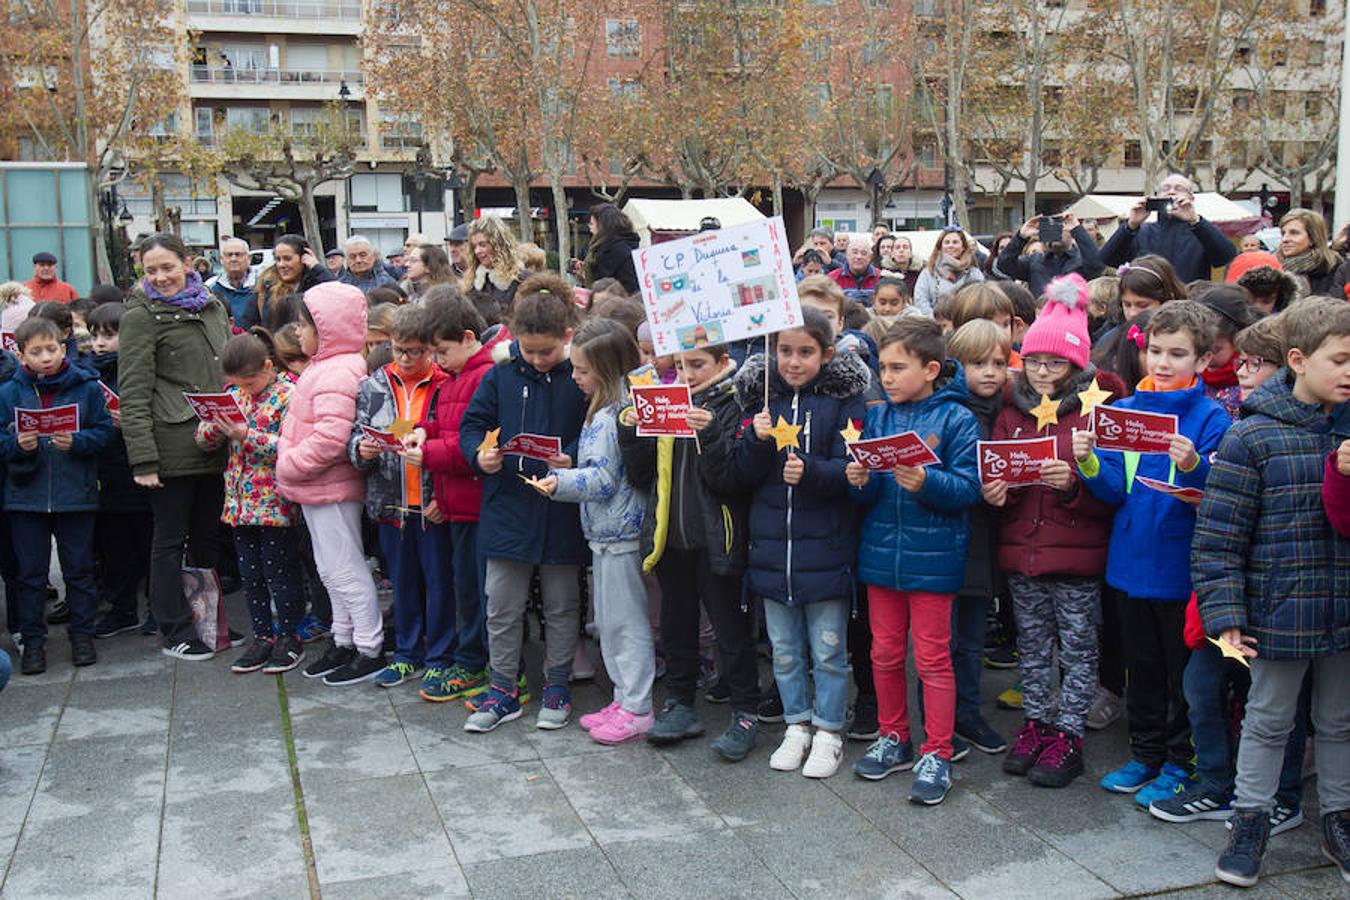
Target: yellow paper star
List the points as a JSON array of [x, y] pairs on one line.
[[1092, 398], [402, 427], [851, 434], [647, 377], [1046, 412], [785, 435], [490, 440], [1229, 651]]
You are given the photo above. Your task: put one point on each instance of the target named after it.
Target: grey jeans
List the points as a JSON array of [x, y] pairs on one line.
[[625, 628], [1272, 704], [508, 592]]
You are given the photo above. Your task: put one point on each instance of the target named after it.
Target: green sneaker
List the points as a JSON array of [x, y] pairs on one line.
[[436, 685], [472, 700], [463, 683], [395, 674]]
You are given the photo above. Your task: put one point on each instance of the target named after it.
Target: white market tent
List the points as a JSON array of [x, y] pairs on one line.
[[658, 220], [1233, 219]]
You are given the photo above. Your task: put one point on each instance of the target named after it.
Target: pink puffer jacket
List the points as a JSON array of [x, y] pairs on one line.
[[312, 465]]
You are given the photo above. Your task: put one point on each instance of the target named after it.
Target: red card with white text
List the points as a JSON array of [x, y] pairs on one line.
[[1189, 495], [209, 406], [663, 410], [883, 454], [55, 420], [1016, 462], [533, 446], [388, 441], [7, 342], [110, 397], [1132, 429]]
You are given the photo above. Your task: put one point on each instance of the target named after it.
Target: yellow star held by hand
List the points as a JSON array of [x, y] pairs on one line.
[[785, 435], [1046, 412], [851, 434], [490, 440], [647, 377], [401, 428], [1092, 398], [1229, 651]]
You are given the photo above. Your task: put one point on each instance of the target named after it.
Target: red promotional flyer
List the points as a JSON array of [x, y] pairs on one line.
[[1131, 429], [388, 441], [1016, 462], [883, 454], [663, 410], [109, 397], [209, 406], [533, 446], [7, 342], [56, 420], [1189, 495]]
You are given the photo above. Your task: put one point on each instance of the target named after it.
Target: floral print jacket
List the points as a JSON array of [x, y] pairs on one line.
[[251, 496]]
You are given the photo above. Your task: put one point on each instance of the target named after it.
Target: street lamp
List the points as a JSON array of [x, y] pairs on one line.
[[456, 184], [420, 179], [874, 181]]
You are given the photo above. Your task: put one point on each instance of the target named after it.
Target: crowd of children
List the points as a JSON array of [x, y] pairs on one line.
[[1216, 574]]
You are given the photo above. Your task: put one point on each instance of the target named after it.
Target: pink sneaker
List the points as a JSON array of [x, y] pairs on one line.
[[622, 726], [599, 717]]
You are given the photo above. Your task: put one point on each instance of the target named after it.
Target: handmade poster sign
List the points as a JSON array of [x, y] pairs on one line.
[[719, 286], [110, 397], [1016, 462], [388, 441], [54, 420], [663, 410], [885, 453], [221, 404], [1189, 495], [1132, 429], [533, 446]]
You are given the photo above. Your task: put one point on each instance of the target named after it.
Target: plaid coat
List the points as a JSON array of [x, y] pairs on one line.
[[1265, 558]]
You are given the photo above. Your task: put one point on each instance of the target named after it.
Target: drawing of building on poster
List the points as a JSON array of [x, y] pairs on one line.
[[719, 286]]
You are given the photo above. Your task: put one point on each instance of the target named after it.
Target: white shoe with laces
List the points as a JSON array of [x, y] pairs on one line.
[[789, 755], [827, 749]]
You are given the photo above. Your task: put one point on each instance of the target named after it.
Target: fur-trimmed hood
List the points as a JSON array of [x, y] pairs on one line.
[[844, 376]]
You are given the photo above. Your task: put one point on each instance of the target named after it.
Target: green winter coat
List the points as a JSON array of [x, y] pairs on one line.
[[164, 351]]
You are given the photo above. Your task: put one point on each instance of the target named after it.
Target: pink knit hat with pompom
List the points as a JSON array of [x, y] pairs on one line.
[[1061, 327]]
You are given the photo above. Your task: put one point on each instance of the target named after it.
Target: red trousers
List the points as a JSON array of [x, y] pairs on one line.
[[893, 615]]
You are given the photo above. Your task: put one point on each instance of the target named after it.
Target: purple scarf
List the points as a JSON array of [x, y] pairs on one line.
[[192, 298]]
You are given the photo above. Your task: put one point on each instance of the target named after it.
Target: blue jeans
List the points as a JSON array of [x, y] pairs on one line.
[[32, 535], [820, 629], [424, 598], [470, 597], [969, 618], [6, 669]]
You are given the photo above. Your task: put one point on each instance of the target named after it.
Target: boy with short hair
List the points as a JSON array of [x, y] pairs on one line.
[[51, 488], [400, 499], [1273, 581]]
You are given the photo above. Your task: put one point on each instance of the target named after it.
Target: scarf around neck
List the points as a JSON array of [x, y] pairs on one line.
[[192, 298]]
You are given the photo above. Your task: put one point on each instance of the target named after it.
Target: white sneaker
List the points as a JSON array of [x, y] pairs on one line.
[[826, 751], [789, 755]]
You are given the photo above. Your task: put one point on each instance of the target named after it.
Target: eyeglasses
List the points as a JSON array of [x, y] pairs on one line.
[[1250, 363], [408, 352], [1053, 366]]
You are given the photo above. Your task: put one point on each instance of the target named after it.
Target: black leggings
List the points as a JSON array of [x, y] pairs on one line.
[[187, 519]]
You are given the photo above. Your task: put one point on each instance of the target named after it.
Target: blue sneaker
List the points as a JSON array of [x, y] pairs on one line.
[[887, 755], [932, 780], [395, 674], [497, 707], [1171, 781], [738, 740], [555, 709], [1195, 804], [1129, 777], [311, 629]]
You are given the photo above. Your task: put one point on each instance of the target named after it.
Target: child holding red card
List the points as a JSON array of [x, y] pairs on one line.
[[1148, 560], [1053, 537], [913, 550]]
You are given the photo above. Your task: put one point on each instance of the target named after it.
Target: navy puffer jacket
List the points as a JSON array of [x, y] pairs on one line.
[[517, 522], [801, 537], [918, 542]]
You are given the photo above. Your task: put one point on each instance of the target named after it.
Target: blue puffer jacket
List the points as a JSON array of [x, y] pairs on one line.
[[517, 522], [918, 542], [51, 480], [1149, 554], [802, 544], [612, 510]]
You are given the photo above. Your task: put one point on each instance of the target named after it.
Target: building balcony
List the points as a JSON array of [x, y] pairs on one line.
[[228, 83], [276, 16]]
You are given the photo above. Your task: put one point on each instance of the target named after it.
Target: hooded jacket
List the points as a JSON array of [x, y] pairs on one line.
[[612, 510], [1039, 269], [459, 489], [49, 480], [1193, 250], [387, 474], [251, 496], [242, 302], [612, 257], [918, 542], [1149, 553], [164, 350], [1042, 531], [694, 500], [1265, 558], [312, 463], [516, 522], [802, 537]]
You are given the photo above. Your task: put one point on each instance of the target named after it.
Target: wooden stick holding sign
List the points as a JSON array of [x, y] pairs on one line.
[[684, 367]]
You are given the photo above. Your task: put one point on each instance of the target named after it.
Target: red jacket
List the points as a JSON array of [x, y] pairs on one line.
[[1043, 531], [847, 281], [1336, 497], [459, 490], [56, 289]]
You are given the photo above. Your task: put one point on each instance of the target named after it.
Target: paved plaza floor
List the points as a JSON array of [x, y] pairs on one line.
[[145, 777]]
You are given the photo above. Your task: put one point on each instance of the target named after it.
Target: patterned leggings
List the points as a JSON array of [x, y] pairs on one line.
[[1057, 612], [269, 568]]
